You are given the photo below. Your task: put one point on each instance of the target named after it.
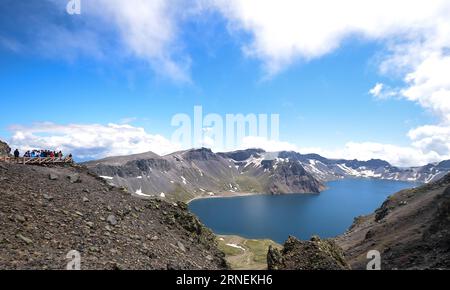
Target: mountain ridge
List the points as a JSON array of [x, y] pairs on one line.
[[188, 174], [192, 173]]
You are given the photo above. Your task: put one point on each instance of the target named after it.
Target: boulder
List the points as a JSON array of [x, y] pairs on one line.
[[181, 246], [74, 178], [53, 176], [5, 150], [315, 254], [111, 219]]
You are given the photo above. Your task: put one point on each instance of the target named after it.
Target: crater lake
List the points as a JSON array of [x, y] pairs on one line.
[[276, 217]]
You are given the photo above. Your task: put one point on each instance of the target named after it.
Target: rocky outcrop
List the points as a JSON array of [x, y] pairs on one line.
[[315, 254], [132, 168], [411, 230], [202, 154], [242, 155], [5, 150], [46, 212], [292, 177]]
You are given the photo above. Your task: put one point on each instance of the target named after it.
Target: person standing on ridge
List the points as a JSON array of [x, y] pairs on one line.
[[16, 154]]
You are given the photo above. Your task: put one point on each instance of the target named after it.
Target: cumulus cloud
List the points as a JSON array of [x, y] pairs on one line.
[[376, 90], [424, 62], [286, 30], [90, 141], [432, 138], [403, 156], [429, 85], [282, 31], [267, 144], [148, 30]]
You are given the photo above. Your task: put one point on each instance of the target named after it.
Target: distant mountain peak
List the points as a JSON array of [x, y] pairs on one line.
[[241, 155], [199, 154], [122, 160]]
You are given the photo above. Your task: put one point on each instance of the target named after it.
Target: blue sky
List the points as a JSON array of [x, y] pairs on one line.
[[61, 72]]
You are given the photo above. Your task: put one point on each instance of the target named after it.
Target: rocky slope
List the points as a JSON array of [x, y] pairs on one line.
[[4, 149], [315, 254], [200, 172], [48, 211], [411, 230]]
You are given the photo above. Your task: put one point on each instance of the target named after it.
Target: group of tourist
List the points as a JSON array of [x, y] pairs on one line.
[[43, 154], [40, 154]]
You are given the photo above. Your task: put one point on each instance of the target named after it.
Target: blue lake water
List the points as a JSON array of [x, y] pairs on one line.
[[327, 214]]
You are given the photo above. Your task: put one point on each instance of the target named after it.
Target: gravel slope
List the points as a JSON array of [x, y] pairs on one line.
[[411, 230], [45, 212]]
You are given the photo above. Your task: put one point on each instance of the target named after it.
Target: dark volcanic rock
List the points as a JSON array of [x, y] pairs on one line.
[[292, 177], [242, 155], [200, 154], [53, 176], [43, 220], [5, 150], [315, 254], [132, 168], [74, 178]]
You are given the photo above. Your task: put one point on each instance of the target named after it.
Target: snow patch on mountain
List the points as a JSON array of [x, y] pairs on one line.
[[236, 246], [139, 192]]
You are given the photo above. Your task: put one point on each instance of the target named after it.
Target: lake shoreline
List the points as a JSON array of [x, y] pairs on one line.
[[245, 194], [225, 195]]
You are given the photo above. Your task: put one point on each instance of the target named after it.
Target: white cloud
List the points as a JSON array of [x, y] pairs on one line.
[[425, 64], [432, 138], [402, 156], [376, 90], [285, 30], [90, 141], [148, 30], [267, 144], [381, 92], [429, 85]]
